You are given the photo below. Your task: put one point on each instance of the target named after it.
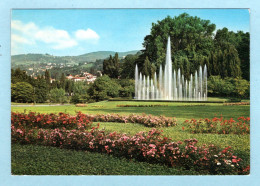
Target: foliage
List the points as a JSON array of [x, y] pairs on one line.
[[147, 120], [127, 87], [128, 67], [80, 94], [111, 66], [151, 147], [44, 160], [103, 88], [34, 120], [22, 92], [41, 90], [219, 126], [57, 95], [235, 87], [157, 105]]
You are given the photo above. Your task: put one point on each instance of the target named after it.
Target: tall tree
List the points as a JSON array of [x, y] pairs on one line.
[[187, 34]]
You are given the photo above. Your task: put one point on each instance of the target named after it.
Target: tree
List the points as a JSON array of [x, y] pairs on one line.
[[242, 88], [47, 79], [188, 34], [62, 81], [128, 67], [40, 90], [22, 92], [103, 88], [57, 95], [243, 51], [111, 66]]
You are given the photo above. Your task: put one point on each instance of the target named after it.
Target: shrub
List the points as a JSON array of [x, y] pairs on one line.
[[219, 126], [57, 95], [142, 105], [151, 147], [22, 92], [50, 121], [147, 120], [104, 88]]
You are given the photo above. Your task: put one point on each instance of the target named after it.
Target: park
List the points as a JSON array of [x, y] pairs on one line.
[[181, 106]]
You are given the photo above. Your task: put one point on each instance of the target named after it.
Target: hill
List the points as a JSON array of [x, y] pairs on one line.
[[28, 59]]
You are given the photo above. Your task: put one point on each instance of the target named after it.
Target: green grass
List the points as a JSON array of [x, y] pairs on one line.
[[182, 111], [41, 160]]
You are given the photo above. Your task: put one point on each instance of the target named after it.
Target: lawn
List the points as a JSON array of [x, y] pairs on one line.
[[41, 160], [182, 111]]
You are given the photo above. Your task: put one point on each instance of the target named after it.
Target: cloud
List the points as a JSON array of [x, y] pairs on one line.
[[30, 33], [24, 28], [57, 39], [60, 39], [19, 39], [86, 34]]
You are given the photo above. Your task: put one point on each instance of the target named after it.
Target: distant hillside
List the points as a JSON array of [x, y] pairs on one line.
[[104, 54], [28, 59]]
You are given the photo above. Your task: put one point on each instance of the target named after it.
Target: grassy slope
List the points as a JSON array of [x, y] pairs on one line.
[[41, 160]]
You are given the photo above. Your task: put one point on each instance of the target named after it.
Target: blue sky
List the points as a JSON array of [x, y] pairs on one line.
[[68, 32]]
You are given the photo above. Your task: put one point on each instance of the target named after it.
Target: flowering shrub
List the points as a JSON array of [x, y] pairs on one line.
[[239, 103], [50, 121], [142, 105], [84, 121], [219, 125], [147, 120], [151, 147]]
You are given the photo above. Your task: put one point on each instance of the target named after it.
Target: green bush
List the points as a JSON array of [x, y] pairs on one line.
[[57, 95], [22, 92], [104, 88], [228, 87]]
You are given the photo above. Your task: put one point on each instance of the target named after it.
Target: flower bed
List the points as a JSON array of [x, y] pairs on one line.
[[219, 126], [151, 147], [50, 121], [142, 105], [81, 120], [239, 103], [147, 120]]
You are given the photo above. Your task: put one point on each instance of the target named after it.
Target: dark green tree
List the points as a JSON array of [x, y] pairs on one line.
[[104, 88], [22, 92], [111, 66]]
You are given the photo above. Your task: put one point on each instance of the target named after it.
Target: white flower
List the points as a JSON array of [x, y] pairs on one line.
[[232, 165], [216, 156], [218, 163]]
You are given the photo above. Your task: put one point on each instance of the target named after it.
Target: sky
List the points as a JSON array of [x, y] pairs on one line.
[[71, 32]]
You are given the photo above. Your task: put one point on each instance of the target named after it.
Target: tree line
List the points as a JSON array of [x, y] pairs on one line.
[[193, 43], [26, 89]]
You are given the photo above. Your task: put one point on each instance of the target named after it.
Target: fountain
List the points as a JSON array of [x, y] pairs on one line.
[[171, 85]]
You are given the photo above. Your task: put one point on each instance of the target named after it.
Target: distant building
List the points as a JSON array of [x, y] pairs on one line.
[[70, 76], [51, 80], [87, 77]]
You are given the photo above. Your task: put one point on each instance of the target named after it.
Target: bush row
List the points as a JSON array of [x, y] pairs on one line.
[[151, 147], [219, 125], [142, 105], [50, 121], [240, 103], [147, 120], [84, 121]]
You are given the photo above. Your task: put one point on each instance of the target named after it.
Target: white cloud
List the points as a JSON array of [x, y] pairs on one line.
[[29, 34], [18, 39], [86, 34], [26, 29], [59, 38]]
